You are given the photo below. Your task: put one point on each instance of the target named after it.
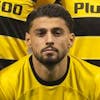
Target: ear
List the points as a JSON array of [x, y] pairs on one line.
[[28, 39], [71, 39]]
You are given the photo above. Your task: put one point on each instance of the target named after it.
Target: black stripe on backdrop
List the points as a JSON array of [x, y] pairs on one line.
[[95, 62], [12, 27], [87, 26], [4, 63], [82, 27]]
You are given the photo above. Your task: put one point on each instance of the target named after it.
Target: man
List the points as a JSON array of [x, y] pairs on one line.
[[50, 73]]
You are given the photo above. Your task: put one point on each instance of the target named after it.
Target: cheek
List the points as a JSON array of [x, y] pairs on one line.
[[37, 45], [65, 45]]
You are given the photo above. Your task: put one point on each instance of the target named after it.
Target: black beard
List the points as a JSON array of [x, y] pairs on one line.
[[49, 62]]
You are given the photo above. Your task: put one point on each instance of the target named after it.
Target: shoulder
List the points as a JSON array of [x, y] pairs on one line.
[[85, 67], [10, 77], [14, 69], [86, 75]]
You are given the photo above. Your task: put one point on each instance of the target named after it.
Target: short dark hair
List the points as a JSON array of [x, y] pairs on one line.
[[50, 10]]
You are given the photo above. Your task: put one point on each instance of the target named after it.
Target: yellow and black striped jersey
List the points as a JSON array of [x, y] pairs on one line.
[[13, 15], [19, 81], [87, 21]]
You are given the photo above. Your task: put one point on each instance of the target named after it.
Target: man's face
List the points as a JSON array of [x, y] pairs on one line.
[[50, 39]]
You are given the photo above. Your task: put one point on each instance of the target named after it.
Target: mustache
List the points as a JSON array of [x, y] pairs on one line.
[[49, 48]]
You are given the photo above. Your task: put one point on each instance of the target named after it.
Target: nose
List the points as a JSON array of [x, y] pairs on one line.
[[49, 39]]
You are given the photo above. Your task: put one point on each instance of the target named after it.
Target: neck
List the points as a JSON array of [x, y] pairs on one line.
[[50, 73]]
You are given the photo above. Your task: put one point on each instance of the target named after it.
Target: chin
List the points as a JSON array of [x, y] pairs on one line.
[[50, 61]]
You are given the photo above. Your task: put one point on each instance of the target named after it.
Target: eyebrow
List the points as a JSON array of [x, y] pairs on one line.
[[42, 28]]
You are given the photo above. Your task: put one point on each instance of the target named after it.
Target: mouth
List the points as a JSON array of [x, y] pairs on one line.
[[50, 50]]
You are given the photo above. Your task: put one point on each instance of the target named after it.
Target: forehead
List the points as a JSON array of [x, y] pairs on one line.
[[48, 22]]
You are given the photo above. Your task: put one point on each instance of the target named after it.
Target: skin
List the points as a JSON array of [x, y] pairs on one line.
[[50, 40]]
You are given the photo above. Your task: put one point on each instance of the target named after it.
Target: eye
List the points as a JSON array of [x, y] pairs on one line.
[[40, 32], [57, 32]]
